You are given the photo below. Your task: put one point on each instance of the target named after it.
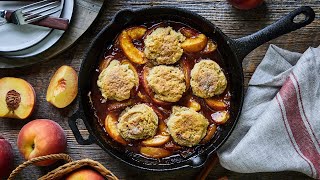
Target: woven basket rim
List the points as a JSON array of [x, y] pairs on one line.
[[65, 169]]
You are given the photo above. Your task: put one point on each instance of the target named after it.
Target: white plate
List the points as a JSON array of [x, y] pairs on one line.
[[48, 41], [15, 38]]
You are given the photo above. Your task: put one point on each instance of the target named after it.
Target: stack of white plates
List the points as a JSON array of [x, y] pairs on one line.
[[22, 41]]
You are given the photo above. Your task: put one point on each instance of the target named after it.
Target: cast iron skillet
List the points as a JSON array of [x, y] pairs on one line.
[[233, 52]]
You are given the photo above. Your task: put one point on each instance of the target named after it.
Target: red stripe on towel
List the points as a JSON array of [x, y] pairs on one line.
[[299, 131], [290, 138], [300, 99]]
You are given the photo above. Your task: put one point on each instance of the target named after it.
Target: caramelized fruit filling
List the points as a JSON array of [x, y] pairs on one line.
[[128, 48]]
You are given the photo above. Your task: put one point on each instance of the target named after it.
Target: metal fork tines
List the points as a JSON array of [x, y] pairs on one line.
[[36, 11]]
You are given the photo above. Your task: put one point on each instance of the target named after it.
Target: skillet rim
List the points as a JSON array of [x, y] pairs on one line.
[[192, 161]]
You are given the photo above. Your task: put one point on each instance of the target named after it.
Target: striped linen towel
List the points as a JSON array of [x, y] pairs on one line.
[[279, 127]]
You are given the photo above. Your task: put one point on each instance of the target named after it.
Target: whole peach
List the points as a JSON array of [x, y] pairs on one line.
[[85, 174], [6, 158], [245, 4], [41, 137]]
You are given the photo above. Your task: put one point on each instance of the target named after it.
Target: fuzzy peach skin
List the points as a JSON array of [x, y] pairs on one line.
[[245, 4], [6, 158], [41, 137], [85, 174]]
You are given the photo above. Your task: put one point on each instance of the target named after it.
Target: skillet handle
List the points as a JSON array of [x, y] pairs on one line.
[[73, 125], [243, 46]]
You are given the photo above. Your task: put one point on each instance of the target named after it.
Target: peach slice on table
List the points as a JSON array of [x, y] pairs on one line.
[[220, 117], [111, 128], [17, 98], [216, 104], [210, 133], [133, 53], [210, 47], [154, 152], [194, 44], [63, 87]]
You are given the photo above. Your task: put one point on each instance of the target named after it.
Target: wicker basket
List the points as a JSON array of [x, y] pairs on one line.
[[65, 169]]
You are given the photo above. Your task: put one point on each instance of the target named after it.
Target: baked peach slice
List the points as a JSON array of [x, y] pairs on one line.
[[110, 124], [172, 146], [210, 133], [215, 104], [154, 152], [105, 63], [193, 104], [163, 128], [145, 98], [63, 87], [137, 32], [160, 139], [220, 117], [157, 140], [210, 47], [116, 105], [186, 71], [125, 39], [188, 32], [194, 44], [17, 98]]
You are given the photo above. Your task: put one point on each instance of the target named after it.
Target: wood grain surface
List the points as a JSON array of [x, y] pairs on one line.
[[233, 22]]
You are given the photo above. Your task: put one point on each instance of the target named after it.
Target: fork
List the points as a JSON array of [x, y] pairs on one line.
[[36, 13]]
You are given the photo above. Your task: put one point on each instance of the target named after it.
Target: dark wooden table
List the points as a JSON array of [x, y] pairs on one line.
[[233, 22]]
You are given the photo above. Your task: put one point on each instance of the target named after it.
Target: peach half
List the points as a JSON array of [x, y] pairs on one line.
[[17, 98], [63, 87]]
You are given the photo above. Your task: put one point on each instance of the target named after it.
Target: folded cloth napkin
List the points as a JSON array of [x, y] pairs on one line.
[[279, 127]]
